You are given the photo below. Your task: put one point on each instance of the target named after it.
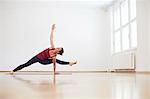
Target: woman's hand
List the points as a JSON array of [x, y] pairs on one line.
[[53, 26]]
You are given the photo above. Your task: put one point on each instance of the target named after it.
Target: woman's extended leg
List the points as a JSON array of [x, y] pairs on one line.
[[49, 61], [62, 62], [31, 61], [65, 63]]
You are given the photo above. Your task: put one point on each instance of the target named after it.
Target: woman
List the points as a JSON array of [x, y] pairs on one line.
[[47, 56]]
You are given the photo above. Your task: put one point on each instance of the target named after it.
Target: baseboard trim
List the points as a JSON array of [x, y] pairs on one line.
[[113, 71], [61, 71]]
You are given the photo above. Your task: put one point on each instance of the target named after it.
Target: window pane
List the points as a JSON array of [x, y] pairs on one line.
[[133, 34], [125, 38], [124, 12], [117, 18], [133, 9], [117, 42]]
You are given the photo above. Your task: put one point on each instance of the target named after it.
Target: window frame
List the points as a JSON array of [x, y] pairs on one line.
[[130, 21]]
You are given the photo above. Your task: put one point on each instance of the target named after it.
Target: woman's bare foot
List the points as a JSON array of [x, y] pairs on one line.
[[72, 63]]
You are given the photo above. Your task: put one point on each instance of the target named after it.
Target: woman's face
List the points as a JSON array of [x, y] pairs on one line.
[[58, 49]]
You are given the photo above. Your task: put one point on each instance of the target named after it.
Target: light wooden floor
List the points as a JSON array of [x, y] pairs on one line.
[[75, 86]]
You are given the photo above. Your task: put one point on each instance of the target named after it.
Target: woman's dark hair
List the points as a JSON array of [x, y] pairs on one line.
[[61, 51]]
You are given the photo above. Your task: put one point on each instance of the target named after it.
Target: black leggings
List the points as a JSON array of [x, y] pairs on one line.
[[44, 62]]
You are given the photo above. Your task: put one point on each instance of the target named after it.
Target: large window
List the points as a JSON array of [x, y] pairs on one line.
[[124, 27]]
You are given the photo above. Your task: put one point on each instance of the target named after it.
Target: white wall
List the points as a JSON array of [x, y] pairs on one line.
[[148, 7], [148, 20], [81, 29], [143, 24], [0, 34]]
